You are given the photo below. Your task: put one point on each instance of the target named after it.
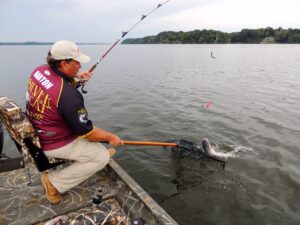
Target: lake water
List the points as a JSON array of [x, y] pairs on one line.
[[158, 92]]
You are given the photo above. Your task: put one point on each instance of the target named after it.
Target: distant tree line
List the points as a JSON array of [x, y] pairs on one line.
[[26, 43], [253, 36]]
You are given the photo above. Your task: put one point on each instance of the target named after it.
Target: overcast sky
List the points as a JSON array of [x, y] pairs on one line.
[[104, 20]]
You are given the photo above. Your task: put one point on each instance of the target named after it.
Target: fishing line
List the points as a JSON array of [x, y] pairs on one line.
[[124, 33]]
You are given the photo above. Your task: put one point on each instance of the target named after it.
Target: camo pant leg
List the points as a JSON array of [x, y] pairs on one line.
[[89, 158]]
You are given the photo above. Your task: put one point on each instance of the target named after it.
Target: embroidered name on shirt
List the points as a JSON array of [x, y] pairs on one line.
[[42, 80]]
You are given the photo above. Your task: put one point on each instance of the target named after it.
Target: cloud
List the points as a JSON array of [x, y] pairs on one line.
[[234, 15], [103, 21]]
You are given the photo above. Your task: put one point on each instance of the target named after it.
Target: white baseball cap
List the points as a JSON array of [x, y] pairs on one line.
[[61, 50]]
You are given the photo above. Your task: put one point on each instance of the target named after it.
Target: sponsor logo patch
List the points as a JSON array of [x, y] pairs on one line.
[[47, 72], [83, 115]]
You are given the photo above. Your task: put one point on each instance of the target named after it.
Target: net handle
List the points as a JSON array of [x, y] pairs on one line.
[[148, 143]]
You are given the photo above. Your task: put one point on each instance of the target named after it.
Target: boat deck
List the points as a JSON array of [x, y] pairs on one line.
[[23, 203]]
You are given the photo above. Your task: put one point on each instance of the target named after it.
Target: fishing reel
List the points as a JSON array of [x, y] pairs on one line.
[[80, 82]]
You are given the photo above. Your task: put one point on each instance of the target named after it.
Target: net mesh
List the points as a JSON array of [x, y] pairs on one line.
[[192, 150], [186, 148]]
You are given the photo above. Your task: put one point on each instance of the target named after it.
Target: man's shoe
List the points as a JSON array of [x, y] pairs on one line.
[[51, 193]]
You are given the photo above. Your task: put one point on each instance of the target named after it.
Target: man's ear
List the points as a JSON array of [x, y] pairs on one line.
[[63, 65]]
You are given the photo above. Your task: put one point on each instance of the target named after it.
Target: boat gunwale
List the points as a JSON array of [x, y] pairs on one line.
[[158, 212]]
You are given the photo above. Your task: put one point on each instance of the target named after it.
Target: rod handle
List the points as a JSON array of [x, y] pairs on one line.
[[92, 68]]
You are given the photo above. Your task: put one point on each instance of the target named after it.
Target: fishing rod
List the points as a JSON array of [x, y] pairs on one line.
[[124, 33]]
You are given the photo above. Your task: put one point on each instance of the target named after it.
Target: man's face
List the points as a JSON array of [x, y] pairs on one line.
[[70, 68]]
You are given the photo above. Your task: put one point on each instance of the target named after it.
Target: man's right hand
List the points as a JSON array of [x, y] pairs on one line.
[[114, 141]]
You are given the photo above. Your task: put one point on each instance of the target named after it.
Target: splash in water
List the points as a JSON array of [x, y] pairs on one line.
[[242, 149]]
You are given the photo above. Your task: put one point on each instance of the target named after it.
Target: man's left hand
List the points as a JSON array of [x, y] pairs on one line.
[[84, 75]]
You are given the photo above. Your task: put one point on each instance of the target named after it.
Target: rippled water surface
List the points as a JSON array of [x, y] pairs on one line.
[[158, 92]]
